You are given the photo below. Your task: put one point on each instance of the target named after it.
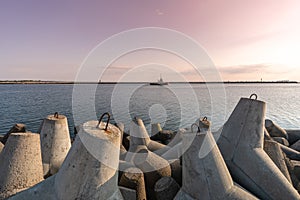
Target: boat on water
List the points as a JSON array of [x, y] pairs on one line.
[[159, 82]]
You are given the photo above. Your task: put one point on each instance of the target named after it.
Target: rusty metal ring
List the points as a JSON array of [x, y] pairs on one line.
[[253, 95], [204, 118], [100, 120], [56, 114]]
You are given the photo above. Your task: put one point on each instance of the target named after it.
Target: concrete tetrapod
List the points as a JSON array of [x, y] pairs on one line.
[[140, 136], [89, 170], [241, 144], [281, 140], [296, 146], [155, 129], [292, 172], [176, 170], [275, 130], [274, 151], [55, 142], [133, 178], [267, 135], [175, 147], [163, 136], [205, 175], [128, 193], [293, 136], [296, 165], [20, 163], [166, 188], [290, 153], [17, 128], [154, 168]]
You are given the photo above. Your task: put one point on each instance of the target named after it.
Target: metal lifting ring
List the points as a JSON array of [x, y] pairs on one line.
[[100, 120], [204, 118], [56, 114], [194, 124], [253, 95]]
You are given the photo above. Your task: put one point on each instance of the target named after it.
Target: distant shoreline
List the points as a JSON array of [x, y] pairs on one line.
[[200, 82]]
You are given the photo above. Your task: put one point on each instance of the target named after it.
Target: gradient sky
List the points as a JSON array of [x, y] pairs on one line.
[[246, 39]]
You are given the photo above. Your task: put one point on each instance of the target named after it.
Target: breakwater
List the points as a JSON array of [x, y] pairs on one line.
[[249, 157]]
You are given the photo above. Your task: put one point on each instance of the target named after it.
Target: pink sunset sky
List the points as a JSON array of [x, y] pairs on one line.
[[246, 39]]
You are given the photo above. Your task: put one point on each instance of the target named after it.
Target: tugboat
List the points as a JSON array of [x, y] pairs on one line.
[[159, 82]]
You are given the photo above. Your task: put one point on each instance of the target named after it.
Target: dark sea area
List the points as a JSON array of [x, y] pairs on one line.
[[174, 106]]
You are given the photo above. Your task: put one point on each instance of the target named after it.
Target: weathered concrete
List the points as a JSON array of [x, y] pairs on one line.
[[294, 178], [275, 130], [46, 191], [176, 169], [166, 188], [281, 140], [164, 136], [293, 136], [132, 152], [138, 133], [88, 172], [133, 178], [267, 135], [203, 123], [21, 163], [123, 152], [205, 175], [128, 193], [154, 168], [241, 144], [140, 136], [176, 148], [274, 151], [155, 129], [17, 128], [55, 143], [96, 177], [296, 165], [296, 146], [157, 134], [177, 138], [41, 191], [121, 127], [123, 166], [290, 153], [174, 153]]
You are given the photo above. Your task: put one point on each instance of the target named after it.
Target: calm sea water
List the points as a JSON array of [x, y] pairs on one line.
[[175, 106]]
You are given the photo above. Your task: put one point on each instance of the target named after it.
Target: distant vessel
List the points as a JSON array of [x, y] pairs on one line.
[[159, 82]]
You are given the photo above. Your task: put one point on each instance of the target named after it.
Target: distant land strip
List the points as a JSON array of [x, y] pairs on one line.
[[194, 82]]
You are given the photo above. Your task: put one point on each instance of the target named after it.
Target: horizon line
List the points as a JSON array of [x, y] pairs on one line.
[[25, 81]]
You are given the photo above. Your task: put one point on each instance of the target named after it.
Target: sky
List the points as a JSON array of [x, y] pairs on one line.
[[245, 39]]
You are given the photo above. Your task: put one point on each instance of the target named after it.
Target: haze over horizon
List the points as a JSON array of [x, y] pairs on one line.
[[246, 40]]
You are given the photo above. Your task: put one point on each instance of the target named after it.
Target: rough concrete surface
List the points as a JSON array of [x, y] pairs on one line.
[[241, 144], [82, 175], [55, 143], [205, 175], [20, 163]]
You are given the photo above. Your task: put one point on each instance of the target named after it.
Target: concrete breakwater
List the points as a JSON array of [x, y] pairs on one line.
[[250, 157]]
